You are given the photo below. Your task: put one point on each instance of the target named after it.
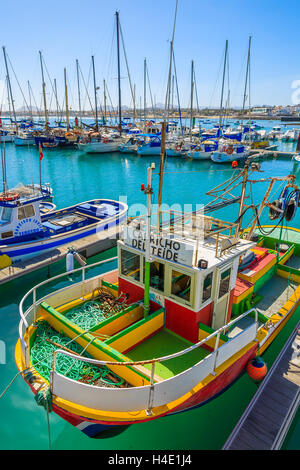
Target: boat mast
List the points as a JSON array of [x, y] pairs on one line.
[[9, 88], [44, 93], [246, 81], [56, 99], [104, 92], [145, 91], [95, 91], [67, 104], [148, 192], [192, 97], [223, 82], [30, 106], [119, 70], [78, 88]]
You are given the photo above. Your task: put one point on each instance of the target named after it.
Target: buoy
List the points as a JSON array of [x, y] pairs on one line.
[[234, 164], [69, 261], [257, 369], [5, 261]]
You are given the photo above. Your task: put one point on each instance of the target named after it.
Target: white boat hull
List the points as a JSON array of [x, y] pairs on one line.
[[22, 141], [200, 155], [99, 147], [220, 157]]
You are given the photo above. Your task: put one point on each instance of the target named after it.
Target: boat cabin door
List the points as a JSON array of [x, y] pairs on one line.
[[221, 297]]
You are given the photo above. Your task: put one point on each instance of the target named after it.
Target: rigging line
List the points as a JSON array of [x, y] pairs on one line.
[[127, 66], [52, 88], [196, 93], [176, 81], [37, 108], [110, 101], [87, 93], [17, 81], [147, 72], [167, 104]]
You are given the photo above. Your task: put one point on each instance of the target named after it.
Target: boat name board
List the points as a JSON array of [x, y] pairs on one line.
[[173, 250]]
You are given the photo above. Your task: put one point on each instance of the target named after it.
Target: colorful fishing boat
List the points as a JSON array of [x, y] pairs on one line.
[[190, 303], [26, 232]]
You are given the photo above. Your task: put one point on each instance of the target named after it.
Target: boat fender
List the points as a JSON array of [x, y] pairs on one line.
[[257, 369], [5, 261], [69, 261]]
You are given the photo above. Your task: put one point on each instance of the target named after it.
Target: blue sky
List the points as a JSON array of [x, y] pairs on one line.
[[67, 30]]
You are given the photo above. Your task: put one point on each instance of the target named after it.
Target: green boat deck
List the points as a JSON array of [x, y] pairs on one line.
[[163, 343]]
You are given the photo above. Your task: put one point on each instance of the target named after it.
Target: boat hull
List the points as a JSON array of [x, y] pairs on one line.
[[21, 142], [25, 250], [220, 157], [99, 147]]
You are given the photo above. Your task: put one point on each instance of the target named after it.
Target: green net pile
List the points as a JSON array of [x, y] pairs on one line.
[[42, 355], [92, 313]]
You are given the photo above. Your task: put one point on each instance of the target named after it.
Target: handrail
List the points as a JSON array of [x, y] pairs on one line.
[[163, 358], [34, 288]]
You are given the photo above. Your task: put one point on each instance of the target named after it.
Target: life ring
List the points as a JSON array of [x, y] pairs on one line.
[[229, 150], [9, 196], [105, 140], [178, 148], [197, 148]]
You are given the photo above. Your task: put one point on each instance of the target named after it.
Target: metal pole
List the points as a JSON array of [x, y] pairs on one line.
[[147, 251], [192, 96], [9, 88], [119, 71], [95, 91], [78, 87], [161, 171], [44, 93], [145, 71], [66, 93]]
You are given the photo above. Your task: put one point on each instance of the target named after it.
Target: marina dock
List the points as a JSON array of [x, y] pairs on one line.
[[266, 420], [88, 246], [270, 152]]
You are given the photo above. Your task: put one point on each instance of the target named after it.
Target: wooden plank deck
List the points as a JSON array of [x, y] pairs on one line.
[[87, 246], [266, 420]]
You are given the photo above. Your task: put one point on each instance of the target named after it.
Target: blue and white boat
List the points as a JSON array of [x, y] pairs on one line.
[[152, 146], [229, 151], [204, 150], [25, 232]]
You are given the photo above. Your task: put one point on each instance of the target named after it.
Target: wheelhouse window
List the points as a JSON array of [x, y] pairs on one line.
[[130, 265], [207, 287], [181, 285], [5, 214], [25, 211], [157, 275], [224, 282]]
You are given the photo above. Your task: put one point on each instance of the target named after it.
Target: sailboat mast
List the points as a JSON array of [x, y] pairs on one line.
[[78, 88], [67, 104], [95, 91], [30, 106], [9, 88], [246, 79], [223, 82], [44, 92], [56, 99], [104, 97], [119, 70], [192, 98], [145, 91]]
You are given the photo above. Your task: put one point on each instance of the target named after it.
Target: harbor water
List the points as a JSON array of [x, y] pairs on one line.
[[76, 177]]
